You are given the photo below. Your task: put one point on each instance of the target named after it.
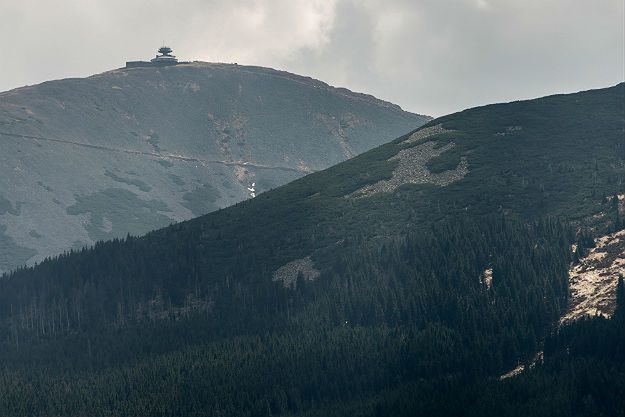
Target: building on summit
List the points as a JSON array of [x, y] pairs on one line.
[[164, 59]]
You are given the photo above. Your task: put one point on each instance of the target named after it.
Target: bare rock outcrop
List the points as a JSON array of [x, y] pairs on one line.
[[412, 169], [593, 280]]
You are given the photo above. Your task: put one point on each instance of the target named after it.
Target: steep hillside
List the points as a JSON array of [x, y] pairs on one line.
[[132, 150], [404, 281]]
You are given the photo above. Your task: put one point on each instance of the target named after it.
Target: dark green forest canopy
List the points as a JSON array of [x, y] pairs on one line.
[[191, 319]]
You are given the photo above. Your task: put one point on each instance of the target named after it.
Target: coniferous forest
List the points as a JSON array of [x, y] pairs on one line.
[[401, 328], [411, 303]]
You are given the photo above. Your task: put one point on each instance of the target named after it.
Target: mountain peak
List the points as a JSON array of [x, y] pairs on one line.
[[133, 149]]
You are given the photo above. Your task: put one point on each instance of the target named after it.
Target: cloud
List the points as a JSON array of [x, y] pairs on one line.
[[430, 56], [439, 56], [59, 38]]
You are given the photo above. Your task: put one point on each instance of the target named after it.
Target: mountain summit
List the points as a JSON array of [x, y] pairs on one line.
[[135, 149]]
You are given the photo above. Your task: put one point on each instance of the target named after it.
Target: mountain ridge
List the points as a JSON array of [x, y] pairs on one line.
[[131, 150], [307, 80]]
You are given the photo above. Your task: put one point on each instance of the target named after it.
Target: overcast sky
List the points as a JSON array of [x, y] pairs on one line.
[[429, 56]]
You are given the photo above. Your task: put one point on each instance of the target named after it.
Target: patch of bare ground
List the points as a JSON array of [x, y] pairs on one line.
[[487, 278], [520, 368], [593, 279], [289, 272], [412, 169]]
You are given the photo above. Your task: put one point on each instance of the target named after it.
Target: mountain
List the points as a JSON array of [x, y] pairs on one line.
[[132, 150], [405, 281]]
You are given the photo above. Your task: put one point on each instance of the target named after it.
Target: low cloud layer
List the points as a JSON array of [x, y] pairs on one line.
[[429, 56]]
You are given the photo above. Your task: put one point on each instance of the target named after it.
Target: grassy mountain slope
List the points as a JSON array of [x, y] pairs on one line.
[[132, 150], [402, 281], [567, 157]]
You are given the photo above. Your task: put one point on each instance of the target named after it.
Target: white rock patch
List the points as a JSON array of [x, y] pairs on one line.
[[412, 169], [538, 358], [593, 280], [487, 278], [513, 372], [252, 190]]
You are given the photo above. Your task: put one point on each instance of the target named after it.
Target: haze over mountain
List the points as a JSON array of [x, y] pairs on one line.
[[131, 150], [406, 281]]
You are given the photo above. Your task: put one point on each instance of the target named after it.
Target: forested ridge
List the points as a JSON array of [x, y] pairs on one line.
[[419, 300], [382, 316]]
